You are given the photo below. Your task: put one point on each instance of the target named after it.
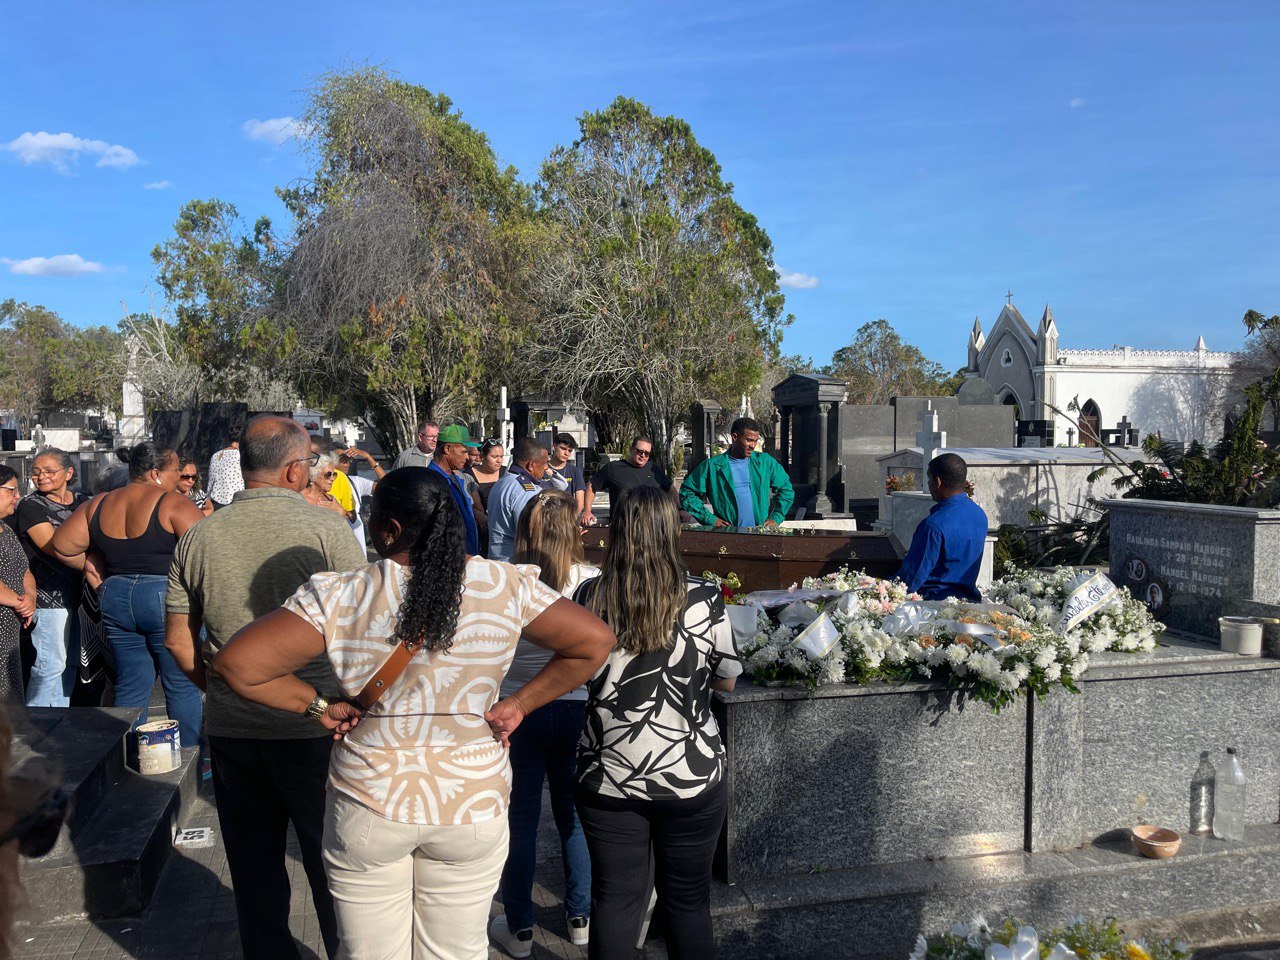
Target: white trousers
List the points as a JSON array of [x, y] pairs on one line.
[[409, 892]]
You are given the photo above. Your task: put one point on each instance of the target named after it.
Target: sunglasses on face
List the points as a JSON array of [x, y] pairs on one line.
[[187, 476], [643, 453], [328, 475]]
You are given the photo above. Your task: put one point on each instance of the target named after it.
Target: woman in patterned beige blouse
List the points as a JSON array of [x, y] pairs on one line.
[[416, 830]]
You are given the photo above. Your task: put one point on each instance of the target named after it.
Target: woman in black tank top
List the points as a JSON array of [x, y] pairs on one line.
[[127, 537]]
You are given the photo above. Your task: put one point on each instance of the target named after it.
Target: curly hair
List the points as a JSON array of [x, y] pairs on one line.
[[421, 502]]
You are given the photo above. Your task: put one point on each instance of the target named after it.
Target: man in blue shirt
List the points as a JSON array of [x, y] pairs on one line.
[[451, 456], [946, 550], [509, 495]]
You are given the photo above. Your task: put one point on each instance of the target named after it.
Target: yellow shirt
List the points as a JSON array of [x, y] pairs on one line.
[[342, 491]]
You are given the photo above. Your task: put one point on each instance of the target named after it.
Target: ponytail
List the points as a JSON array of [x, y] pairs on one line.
[[420, 501]]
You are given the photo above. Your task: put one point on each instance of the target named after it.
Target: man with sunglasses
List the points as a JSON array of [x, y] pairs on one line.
[[637, 470]]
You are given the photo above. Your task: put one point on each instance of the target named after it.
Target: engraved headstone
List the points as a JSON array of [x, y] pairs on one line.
[[1193, 563]]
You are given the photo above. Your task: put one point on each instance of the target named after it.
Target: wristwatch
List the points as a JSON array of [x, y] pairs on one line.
[[317, 707]]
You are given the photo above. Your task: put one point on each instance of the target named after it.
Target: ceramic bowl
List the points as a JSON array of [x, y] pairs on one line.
[[1155, 842]]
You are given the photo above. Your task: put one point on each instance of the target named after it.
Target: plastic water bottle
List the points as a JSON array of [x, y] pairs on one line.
[[1202, 796], [1228, 799]]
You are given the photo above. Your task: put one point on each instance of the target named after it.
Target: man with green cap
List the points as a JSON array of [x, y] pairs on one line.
[[449, 458]]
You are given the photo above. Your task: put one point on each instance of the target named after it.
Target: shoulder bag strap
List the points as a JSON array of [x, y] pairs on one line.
[[387, 674]]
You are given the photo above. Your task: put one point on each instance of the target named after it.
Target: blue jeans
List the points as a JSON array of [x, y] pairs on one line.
[[133, 618], [545, 745], [56, 634]]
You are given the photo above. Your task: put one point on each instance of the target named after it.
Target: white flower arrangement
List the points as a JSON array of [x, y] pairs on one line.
[[874, 598], [1076, 939], [1123, 625], [875, 630], [1038, 632]]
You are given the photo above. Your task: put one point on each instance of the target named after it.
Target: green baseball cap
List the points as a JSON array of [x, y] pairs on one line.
[[456, 434]]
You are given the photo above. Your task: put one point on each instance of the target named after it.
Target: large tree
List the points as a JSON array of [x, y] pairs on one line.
[[87, 367], [219, 279], [29, 333], [393, 299], [653, 286], [879, 364]]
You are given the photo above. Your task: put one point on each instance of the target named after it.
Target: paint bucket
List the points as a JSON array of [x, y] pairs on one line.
[[1242, 635], [159, 747]]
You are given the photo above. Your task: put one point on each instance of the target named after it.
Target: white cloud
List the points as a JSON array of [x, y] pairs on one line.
[[1076, 102], [275, 131], [59, 148], [797, 281], [158, 185], [63, 265]]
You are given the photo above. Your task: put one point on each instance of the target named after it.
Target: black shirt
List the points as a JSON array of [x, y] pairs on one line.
[[51, 576], [618, 476]]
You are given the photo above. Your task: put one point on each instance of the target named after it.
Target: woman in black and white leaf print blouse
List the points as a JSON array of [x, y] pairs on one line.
[[651, 764]]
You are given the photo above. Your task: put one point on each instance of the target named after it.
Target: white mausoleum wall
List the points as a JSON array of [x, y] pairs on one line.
[[1182, 395]]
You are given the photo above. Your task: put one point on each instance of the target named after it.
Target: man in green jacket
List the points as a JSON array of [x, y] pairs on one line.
[[745, 488]]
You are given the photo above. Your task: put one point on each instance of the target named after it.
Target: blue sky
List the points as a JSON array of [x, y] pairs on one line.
[[911, 161]]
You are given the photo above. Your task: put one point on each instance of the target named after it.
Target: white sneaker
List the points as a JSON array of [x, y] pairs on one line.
[[579, 931], [518, 944]]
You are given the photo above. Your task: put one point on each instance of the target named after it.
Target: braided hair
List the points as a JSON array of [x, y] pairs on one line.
[[421, 502]]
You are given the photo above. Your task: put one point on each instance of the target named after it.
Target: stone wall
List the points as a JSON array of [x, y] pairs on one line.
[[848, 777]]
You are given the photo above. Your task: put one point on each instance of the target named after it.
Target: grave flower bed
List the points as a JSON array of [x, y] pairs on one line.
[[851, 628], [1078, 939], [1121, 625]]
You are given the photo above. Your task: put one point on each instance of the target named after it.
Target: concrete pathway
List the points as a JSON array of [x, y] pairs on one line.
[[192, 916]]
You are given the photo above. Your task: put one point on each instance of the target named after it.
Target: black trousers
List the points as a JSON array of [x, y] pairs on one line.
[[261, 787], [682, 835]]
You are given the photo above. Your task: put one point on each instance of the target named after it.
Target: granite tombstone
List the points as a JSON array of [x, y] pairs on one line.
[[1193, 563]]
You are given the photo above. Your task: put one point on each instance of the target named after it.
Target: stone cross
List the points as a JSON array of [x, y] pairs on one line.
[[1071, 436], [1124, 426], [929, 438]]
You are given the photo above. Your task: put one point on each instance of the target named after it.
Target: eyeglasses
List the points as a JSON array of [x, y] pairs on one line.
[[313, 459], [187, 476], [48, 473], [329, 475], [37, 832], [643, 453], [13, 489]]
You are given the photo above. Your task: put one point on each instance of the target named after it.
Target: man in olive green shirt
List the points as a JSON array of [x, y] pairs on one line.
[[270, 767]]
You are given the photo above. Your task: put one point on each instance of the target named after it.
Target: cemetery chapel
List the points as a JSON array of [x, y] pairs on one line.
[[1183, 395]]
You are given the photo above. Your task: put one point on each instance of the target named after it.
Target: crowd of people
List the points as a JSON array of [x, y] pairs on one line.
[[402, 716]]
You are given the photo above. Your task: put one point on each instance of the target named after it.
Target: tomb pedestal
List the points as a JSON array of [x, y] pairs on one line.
[[860, 815]]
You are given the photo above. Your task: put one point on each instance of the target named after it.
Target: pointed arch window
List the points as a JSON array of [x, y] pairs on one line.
[[1090, 423]]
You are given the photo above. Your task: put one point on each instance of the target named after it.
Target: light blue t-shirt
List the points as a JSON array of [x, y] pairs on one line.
[[741, 470]]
